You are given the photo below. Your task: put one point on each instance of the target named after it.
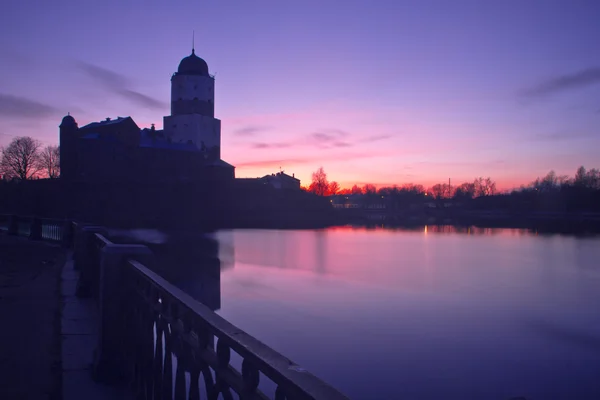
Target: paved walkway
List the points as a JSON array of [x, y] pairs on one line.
[[47, 334], [79, 337], [30, 359]]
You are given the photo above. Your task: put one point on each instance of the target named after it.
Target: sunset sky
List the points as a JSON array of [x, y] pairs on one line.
[[384, 92]]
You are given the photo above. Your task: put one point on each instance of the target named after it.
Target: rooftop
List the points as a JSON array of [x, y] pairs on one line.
[[107, 121]]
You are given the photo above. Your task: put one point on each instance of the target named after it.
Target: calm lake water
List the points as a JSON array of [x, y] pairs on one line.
[[423, 314]]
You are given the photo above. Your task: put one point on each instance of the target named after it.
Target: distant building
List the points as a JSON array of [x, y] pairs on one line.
[[347, 201], [188, 148], [281, 180]]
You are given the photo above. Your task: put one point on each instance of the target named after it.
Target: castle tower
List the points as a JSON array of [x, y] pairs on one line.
[[193, 107], [68, 147]]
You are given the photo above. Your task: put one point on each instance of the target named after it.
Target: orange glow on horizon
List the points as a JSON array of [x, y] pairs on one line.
[[305, 176]]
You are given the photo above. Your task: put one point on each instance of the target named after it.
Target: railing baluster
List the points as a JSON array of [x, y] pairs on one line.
[[142, 339], [279, 393], [158, 355], [147, 336], [194, 382], [182, 357], [223, 358], [251, 379], [168, 366], [180, 379]]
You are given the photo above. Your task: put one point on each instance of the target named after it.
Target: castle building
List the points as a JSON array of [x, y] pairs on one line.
[[192, 116], [188, 148]]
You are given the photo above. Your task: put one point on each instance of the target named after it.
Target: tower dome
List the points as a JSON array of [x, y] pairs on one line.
[[193, 65], [68, 120]]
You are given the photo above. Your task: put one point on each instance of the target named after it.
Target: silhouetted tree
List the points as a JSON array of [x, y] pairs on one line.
[[388, 191], [484, 187], [319, 184], [580, 176], [593, 178], [587, 179], [21, 158], [333, 188], [465, 191], [369, 188], [50, 161], [441, 191], [356, 190]]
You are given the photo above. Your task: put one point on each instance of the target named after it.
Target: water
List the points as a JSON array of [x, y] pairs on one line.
[[425, 314]]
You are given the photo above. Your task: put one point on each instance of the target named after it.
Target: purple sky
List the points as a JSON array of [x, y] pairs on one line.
[[386, 92]]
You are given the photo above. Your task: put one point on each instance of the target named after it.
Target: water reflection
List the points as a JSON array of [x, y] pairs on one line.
[[320, 251], [543, 229], [194, 262], [445, 229], [424, 312]]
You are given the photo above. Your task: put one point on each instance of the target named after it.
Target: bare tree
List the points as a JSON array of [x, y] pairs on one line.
[[319, 185], [441, 191], [412, 188], [465, 190], [50, 161], [334, 188], [369, 188], [589, 179], [580, 176], [21, 158], [484, 187], [355, 190]]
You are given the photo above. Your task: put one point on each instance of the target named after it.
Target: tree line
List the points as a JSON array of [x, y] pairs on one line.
[[26, 158], [479, 187], [550, 192]]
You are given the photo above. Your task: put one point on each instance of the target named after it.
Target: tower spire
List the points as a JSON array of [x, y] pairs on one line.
[[193, 41]]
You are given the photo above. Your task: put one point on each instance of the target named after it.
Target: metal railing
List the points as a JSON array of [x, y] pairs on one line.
[[35, 228], [150, 330]]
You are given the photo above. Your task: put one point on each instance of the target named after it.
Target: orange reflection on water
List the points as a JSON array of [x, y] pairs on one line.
[[441, 229]]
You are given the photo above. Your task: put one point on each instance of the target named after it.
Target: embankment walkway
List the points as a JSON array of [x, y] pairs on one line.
[[30, 305], [48, 335]]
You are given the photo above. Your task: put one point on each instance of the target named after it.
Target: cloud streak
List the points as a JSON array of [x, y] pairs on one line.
[[323, 139], [21, 107], [375, 138], [329, 138], [262, 145], [305, 160], [445, 164], [563, 135], [142, 99], [580, 79], [251, 130], [120, 85]]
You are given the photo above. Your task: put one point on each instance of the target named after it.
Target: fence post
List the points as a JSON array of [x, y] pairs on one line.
[[67, 234], [86, 260], [35, 230], [13, 225], [77, 245], [110, 363]]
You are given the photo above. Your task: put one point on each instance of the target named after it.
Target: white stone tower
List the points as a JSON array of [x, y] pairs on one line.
[[192, 118]]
